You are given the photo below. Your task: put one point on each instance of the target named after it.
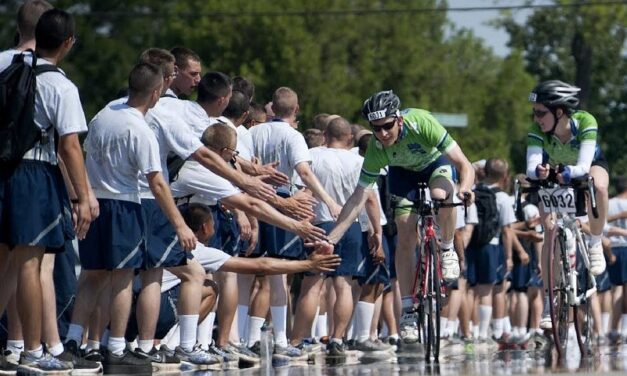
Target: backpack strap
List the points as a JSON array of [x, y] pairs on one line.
[[44, 68]]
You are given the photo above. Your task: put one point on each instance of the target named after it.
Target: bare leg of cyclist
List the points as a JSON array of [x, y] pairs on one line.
[[601, 182], [442, 188]]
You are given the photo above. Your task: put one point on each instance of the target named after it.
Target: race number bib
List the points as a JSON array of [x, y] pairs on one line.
[[560, 200]]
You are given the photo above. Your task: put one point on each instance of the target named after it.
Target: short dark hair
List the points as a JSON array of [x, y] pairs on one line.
[[212, 86], [143, 79], [238, 105], [196, 215], [245, 86], [159, 57], [218, 136], [182, 55], [28, 15], [313, 137], [621, 184], [54, 27], [495, 169]]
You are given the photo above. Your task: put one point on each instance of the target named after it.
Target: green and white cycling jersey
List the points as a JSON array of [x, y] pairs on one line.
[[583, 128], [421, 141]]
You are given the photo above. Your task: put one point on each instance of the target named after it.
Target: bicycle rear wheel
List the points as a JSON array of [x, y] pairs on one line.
[[429, 306], [558, 302]]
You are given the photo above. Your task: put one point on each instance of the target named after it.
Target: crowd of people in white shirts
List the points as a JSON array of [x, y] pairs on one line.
[[199, 222]]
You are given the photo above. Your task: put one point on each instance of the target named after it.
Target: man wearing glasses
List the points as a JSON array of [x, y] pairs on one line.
[[416, 148]]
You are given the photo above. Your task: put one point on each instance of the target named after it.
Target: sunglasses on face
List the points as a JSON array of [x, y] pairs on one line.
[[540, 113], [387, 126]]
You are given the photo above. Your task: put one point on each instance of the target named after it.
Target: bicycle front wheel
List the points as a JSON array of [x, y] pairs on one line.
[[558, 301], [437, 296]]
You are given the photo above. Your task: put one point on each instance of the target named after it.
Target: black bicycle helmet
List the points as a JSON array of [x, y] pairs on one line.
[[381, 105], [555, 93]]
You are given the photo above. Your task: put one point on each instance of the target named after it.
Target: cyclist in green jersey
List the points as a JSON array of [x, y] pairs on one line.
[[563, 135], [417, 148]]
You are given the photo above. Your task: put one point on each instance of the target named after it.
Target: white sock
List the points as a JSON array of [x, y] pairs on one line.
[[507, 325], [605, 322], [104, 340], [314, 323], [594, 240], [350, 330], [446, 244], [116, 345], [173, 338], [497, 329], [321, 326], [16, 346], [242, 321], [74, 333], [623, 324], [337, 340], [146, 345], [254, 329], [515, 332], [204, 331], [92, 345], [188, 324], [451, 328], [56, 350], [362, 318], [279, 321], [485, 313], [444, 327], [394, 336], [38, 352]]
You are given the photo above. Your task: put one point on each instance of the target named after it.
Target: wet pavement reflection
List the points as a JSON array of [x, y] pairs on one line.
[[607, 360]]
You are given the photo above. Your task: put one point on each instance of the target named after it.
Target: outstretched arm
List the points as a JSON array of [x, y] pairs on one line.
[[349, 213]]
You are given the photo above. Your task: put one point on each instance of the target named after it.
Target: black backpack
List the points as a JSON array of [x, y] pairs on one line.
[[18, 131], [488, 215]]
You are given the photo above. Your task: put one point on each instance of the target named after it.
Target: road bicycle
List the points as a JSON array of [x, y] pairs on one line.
[[568, 286]]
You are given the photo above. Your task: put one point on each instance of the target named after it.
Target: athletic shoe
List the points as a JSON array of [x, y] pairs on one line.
[[409, 328], [393, 342], [370, 346], [93, 355], [597, 260], [160, 359], [229, 361], [469, 345], [335, 349], [197, 358], [309, 348], [126, 363], [291, 351], [46, 364], [7, 367], [256, 348], [450, 265], [11, 356], [243, 353], [614, 338], [80, 366]]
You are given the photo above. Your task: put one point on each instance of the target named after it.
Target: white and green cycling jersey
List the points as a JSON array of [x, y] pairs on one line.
[[422, 140], [583, 128]]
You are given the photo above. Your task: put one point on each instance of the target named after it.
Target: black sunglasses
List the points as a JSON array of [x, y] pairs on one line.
[[540, 113], [387, 126]]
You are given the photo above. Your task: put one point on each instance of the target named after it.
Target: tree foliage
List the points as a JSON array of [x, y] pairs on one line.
[[336, 60]]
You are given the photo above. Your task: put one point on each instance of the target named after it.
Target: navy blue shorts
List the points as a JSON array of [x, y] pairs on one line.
[[403, 181], [485, 265], [115, 240], [521, 274], [168, 315], [35, 208], [375, 273], [230, 234], [163, 248], [535, 279], [350, 249], [278, 243], [391, 244], [618, 271]]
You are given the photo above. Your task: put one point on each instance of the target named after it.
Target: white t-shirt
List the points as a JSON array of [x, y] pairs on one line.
[[119, 147], [278, 141], [57, 104], [195, 179], [507, 216], [618, 205], [338, 172], [173, 135], [462, 221], [211, 260], [244, 143]]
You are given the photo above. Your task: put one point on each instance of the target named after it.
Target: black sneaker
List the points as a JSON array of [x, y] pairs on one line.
[[160, 359], [335, 349], [127, 363], [256, 348], [93, 355], [80, 366], [6, 367]]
